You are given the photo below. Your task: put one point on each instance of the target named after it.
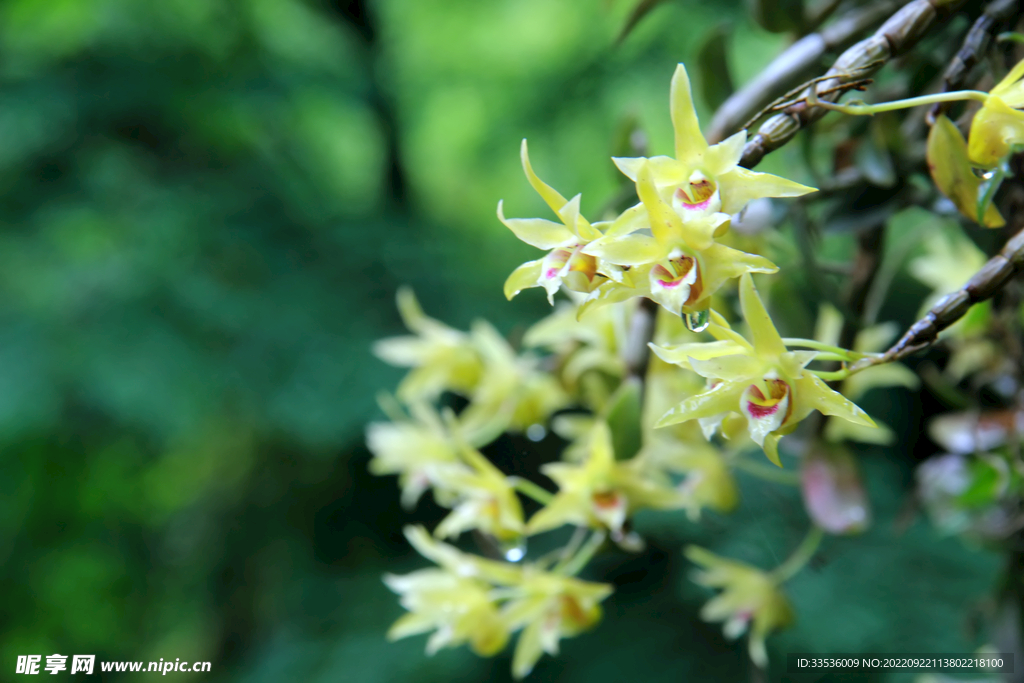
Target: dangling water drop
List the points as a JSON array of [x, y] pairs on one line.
[[697, 322], [514, 551]]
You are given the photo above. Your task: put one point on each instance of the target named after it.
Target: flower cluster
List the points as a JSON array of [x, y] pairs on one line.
[[430, 447], [505, 390], [641, 434], [664, 248], [481, 602]]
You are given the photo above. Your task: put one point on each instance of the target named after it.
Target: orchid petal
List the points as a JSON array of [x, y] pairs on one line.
[[729, 368], [549, 194], [722, 264], [628, 250], [815, 394], [726, 154], [538, 232], [994, 130], [951, 170], [840, 430], [666, 226], [629, 221], [608, 293], [1006, 85], [765, 414], [564, 509], [413, 316], [767, 341], [720, 328], [523, 277], [410, 624], [401, 351], [739, 186], [792, 362], [528, 649], [666, 170], [681, 354], [722, 398], [570, 215], [690, 142], [699, 233], [771, 448]]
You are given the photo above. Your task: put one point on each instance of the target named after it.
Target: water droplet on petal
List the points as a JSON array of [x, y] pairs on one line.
[[697, 322], [514, 551]]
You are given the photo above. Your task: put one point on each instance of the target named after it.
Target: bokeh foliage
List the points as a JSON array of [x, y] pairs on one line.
[[207, 209]]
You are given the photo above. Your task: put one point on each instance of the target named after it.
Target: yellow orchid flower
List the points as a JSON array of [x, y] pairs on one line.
[[420, 450], [441, 358], [601, 492], [565, 263], [458, 609], [683, 264], [485, 500], [594, 343], [704, 179], [749, 595], [506, 391], [428, 452], [762, 380], [479, 601], [514, 392], [455, 600], [549, 607], [999, 124], [953, 173]]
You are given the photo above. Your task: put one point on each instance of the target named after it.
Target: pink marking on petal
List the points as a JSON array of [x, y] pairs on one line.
[[551, 273], [699, 197], [697, 206], [676, 283], [758, 411]]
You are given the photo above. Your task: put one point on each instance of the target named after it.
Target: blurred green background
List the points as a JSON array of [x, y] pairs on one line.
[[206, 209]]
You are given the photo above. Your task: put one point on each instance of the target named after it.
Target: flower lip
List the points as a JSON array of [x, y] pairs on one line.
[[760, 410], [607, 499], [760, 407], [555, 262], [679, 269], [698, 197], [766, 415]]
